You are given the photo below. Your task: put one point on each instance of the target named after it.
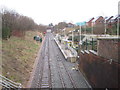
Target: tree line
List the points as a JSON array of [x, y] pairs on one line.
[[13, 21]]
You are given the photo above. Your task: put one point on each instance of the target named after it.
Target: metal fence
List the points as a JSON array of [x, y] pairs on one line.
[[7, 83]]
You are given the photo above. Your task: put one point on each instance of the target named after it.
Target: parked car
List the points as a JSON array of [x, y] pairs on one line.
[[37, 38]]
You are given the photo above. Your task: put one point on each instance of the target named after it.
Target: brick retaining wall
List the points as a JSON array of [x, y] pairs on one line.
[[108, 48], [99, 72]]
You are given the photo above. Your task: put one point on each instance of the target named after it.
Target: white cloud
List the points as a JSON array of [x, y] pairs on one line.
[[47, 11]]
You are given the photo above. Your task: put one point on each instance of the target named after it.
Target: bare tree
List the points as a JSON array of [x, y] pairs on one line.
[[12, 21]]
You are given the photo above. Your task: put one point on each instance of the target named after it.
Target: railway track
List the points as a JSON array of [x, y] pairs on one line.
[[37, 75], [45, 81], [42, 78], [59, 71], [60, 63], [49, 66], [52, 69]]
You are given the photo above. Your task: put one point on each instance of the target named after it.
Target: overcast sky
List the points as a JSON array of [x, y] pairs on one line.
[[54, 11]]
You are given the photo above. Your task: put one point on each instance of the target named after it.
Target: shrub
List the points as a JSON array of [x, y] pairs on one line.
[[6, 32]]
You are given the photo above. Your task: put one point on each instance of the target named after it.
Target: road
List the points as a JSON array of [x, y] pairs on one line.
[[53, 71]]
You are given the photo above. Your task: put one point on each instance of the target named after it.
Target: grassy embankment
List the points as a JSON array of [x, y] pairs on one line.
[[18, 56]]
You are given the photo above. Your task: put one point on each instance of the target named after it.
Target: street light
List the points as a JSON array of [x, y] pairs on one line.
[[85, 28], [70, 33], [64, 32], [118, 26], [73, 37], [92, 26], [105, 25], [118, 18], [79, 44]]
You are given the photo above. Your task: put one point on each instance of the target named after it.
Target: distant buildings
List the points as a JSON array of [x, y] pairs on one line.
[[100, 23], [98, 20], [95, 25], [70, 25], [89, 23]]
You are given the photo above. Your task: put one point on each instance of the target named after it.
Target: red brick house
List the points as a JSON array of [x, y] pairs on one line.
[[89, 23], [98, 20], [108, 21], [109, 18], [115, 19], [98, 24], [70, 25], [112, 24]]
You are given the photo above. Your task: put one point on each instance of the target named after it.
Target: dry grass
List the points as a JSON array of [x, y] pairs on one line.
[[18, 57]]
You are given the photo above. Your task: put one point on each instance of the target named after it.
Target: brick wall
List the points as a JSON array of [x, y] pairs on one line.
[[99, 28], [89, 23], [99, 20], [99, 71], [108, 48]]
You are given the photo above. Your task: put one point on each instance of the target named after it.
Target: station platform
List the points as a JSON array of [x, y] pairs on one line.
[[67, 53]]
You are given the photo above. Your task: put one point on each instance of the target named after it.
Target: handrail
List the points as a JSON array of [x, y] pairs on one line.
[[7, 83], [8, 80], [3, 85], [73, 51]]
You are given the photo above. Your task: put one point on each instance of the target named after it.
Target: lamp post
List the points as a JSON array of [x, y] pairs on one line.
[[64, 32], [92, 27], [79, 44], [73, 38], [105, 25], [70, 33], [118, 26], [85, 28], [80, 38], [118, 19]]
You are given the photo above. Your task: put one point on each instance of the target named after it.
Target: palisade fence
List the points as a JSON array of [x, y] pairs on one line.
[[89, 44], [7, 83]]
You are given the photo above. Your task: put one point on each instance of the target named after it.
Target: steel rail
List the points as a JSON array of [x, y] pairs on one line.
[[50, 81], [71, 79], [46, 84], [43, 63], [59, 71]]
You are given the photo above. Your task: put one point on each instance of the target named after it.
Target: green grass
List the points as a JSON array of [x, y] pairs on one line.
[[18, 56]]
